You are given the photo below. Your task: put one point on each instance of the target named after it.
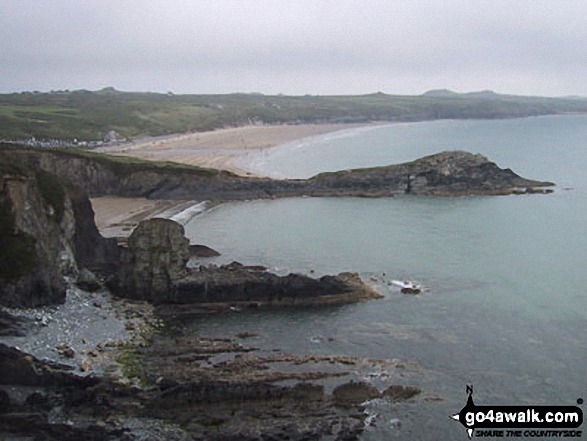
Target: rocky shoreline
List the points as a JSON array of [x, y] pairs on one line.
[[152, 379], [88, 365], [187, 387]]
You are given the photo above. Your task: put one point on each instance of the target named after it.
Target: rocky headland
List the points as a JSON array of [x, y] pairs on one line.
[[451, 173]]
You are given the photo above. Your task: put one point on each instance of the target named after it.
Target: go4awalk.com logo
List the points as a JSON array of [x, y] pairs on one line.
[[520, 421]]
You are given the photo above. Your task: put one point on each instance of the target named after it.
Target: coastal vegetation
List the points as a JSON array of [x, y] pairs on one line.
[[124, 165], [85, 115]]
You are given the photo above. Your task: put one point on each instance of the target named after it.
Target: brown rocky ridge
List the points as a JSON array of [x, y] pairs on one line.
[[451, 173]]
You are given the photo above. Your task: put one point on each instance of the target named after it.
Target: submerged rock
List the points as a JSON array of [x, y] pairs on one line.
[[202, 251], [400, 393]]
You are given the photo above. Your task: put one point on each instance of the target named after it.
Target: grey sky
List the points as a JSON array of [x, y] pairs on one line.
[[530, 47]]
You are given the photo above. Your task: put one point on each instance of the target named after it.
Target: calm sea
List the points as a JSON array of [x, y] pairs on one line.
[[506, 309]]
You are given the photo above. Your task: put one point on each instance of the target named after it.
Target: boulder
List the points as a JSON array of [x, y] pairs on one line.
[[88, 281], [354, 393]]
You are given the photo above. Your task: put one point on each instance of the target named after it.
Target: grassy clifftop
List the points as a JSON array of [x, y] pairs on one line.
[[125, 165], [89, 115]]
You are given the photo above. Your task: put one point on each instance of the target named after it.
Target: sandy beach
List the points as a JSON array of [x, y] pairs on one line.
[[220, 149], [118, 216]]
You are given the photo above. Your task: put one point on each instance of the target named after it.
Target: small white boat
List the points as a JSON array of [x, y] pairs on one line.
[[408, 287]]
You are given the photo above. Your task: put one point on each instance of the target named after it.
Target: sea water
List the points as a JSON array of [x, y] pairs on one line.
[[506, 309]]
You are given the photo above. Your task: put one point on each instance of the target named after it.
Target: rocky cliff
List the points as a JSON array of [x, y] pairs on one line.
[[44, 236], [36, 240]]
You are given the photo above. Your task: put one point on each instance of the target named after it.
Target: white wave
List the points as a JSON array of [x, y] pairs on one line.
[[183, 217]]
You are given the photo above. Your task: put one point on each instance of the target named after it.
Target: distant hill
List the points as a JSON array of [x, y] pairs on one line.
[[442, 93], [87, 115], [575, 97], [485, 94], [445, 93]]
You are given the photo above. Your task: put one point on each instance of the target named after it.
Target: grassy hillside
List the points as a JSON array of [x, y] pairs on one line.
[[89, 115]]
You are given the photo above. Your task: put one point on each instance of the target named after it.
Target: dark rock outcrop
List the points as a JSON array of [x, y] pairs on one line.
[[36, 240], [354, 393], [450, 173], [40, 395], [153, 268], [19, 368], [47, 234], [256, 288], [400, 393], [10, 325]]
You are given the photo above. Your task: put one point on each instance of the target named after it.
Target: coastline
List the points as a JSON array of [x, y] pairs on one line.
[[223, 149]]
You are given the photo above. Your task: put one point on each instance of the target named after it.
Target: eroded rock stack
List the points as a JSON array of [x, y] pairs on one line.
[[154, 261]]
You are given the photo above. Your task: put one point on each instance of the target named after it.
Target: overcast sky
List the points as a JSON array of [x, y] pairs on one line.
[[527, 47]]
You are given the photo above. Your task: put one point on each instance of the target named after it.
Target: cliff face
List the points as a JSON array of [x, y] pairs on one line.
[[36, 250], [92, 251], [47, 233]]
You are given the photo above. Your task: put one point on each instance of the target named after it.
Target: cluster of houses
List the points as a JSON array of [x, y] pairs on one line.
[[111, 138]]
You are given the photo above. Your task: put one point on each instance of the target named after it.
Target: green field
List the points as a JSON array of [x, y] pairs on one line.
[[89, 115]]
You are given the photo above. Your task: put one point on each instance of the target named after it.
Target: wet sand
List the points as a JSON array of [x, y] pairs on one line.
[[118, 216], [220, 149]]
